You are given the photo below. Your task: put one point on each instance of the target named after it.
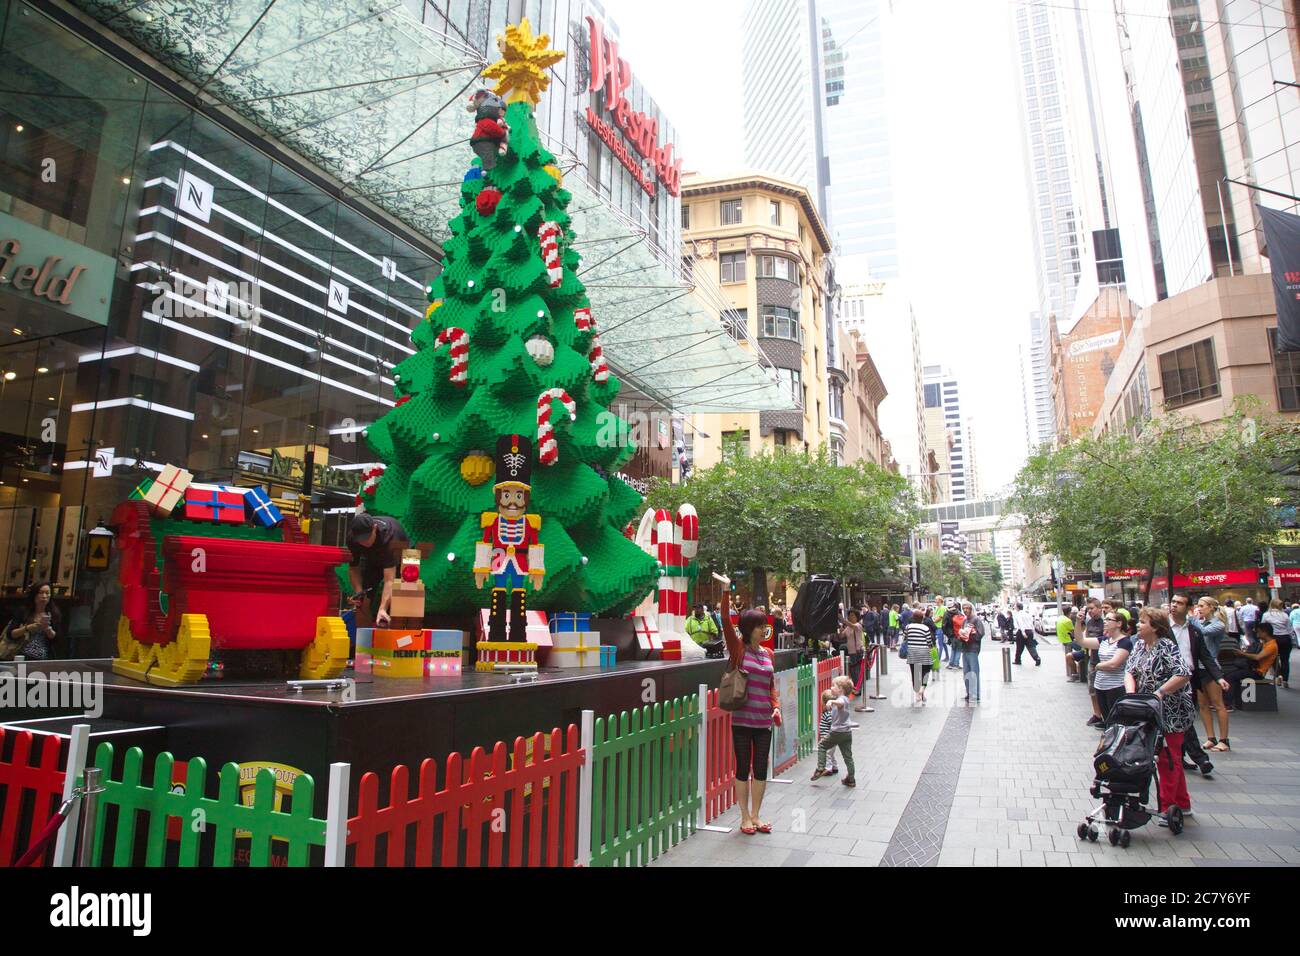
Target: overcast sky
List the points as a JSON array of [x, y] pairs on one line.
[[959, 177]]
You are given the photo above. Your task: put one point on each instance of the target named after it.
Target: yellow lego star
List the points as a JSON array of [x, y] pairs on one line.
[[521, 71]]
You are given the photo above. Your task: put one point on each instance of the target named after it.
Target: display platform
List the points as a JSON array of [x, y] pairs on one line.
[[388, 721]]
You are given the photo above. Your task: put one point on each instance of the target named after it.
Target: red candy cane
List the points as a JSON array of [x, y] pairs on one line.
[[548, 237], [370, 480], [459, 341], [599, 368], [547, 450]]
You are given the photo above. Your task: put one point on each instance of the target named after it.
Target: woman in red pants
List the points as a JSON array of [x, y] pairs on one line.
[[1156, 667]]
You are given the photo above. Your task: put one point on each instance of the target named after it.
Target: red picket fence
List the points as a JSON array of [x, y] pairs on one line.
[[719, 760], [31, 790], [489, 811], [827, 671]]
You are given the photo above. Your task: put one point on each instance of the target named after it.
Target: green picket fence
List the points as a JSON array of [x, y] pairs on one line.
[[807, 683], [207, 827], [645, 787]]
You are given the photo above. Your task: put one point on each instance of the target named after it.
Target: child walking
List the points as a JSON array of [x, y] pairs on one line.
[[839, 735], [824, 728]]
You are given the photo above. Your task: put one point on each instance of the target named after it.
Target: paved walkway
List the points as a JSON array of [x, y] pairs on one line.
[[1005, 783]]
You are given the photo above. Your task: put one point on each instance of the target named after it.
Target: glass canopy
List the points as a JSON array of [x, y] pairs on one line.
[[375, 99]]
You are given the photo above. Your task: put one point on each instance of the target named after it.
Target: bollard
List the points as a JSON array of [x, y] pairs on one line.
[[882, 662], [89, 805], [1006, 665]]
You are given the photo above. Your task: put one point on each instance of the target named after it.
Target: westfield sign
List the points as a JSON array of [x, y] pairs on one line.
[[613, 74]]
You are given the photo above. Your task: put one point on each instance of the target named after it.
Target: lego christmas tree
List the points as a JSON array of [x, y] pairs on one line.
[[509, 346]]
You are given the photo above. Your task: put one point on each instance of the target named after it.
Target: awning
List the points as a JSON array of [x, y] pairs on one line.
[[375, 99]]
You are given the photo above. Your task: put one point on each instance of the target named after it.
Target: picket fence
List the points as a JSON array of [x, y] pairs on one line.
[[621, 790]]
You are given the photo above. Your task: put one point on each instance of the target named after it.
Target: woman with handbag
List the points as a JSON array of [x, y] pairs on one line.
[[749, 691], [1156, 666], [34, 627]]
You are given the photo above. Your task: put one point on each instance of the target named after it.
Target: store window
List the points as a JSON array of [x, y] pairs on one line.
[[791, 383], [736, 322], [233, 318], [731, 212], [1189, 374], [732, 266], [780, 322], [1286, 372], [777, 267], [735, 442]]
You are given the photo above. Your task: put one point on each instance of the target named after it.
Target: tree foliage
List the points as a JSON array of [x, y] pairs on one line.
[[1182, 493], [757, 511], [946, 574]]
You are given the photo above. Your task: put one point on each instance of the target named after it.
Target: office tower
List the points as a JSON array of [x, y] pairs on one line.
[[944, 434], [1042, 412], [783, 99]]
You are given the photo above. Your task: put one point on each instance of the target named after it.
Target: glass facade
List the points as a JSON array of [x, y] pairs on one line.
[[247, 330]]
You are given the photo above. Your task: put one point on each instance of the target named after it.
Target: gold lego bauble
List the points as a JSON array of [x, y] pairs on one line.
[[477, 467]]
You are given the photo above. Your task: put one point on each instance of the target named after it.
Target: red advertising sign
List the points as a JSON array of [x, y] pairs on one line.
[[611, 73]]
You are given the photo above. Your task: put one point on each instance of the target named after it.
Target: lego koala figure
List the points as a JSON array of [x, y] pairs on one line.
[[491, 135]]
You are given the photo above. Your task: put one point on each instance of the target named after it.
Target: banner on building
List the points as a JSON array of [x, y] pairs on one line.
[[1282, 235]]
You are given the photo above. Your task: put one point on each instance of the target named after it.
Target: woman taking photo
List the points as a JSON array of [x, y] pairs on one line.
[[1156, 666], [35, 625], [751, 725], [1214, 629], [1113, 649]]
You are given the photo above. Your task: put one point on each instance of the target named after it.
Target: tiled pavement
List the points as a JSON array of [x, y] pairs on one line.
[[1005, 783]]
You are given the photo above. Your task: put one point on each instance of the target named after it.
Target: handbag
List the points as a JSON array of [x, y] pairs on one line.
[[9, 646], [733, 687]]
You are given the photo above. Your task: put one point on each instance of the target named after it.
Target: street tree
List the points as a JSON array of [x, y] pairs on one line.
[[796, 514], [1181, 493]]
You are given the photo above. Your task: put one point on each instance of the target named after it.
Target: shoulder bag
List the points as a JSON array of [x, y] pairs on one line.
[[733, 686]]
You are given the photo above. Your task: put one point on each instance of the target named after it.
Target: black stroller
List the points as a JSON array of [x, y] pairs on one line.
[[1125, 765]]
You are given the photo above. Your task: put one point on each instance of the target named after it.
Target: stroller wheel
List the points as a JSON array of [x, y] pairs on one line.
[[1175, 820], [1114, 837], [1082, 831], [1093, 833], [1125, 839]]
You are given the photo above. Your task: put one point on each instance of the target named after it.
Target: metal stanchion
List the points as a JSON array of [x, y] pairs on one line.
[[882, 655], [1006, 665], [89, 807]]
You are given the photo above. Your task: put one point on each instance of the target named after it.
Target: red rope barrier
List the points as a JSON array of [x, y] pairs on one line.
[[46, 836]]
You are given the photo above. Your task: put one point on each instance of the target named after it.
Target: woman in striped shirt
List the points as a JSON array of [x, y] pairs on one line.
[[918, 638], [751, 725]]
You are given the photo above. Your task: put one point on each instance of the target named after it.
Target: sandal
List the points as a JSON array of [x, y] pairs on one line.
[[748, 829], [1209, 743], [1221, 746], [764, 828]]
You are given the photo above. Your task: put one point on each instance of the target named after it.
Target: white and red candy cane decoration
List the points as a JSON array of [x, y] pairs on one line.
[[676, 541], [548, 452], [599, 367], [369, 481], [458, 339], [548, 237]]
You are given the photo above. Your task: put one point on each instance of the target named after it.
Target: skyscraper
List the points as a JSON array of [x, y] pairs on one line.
[[944, 429], [1041, 413], [860, 185], [783, 100]]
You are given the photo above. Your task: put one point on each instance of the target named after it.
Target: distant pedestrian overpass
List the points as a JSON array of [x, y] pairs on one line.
[[986, 514]]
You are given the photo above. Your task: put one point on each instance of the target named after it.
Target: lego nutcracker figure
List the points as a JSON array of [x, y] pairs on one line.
[[510, 552]]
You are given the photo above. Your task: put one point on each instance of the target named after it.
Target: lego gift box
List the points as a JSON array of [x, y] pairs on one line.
[[649, 645], [672, 650], [608, 656], [261, 508], [167, 490], [575, 649], [563, 622], [220, 503]]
